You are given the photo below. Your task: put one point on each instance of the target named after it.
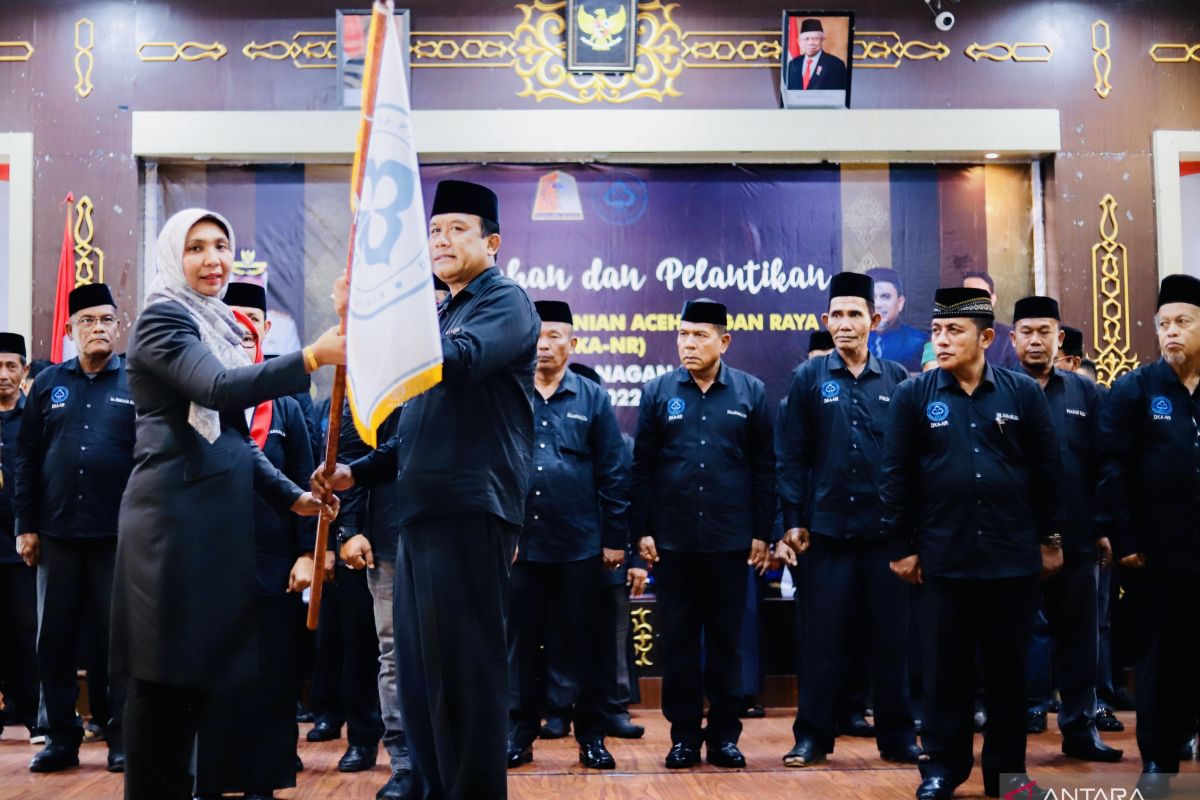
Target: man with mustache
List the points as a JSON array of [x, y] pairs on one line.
[[76, 453]]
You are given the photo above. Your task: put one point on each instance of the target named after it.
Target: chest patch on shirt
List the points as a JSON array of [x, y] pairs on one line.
[[125, 401], [884, 398], [937, 412], [59, 395], [830, 391], [573, 415], [1076, 412], [735, 413], [675, 407], [1161, 408]]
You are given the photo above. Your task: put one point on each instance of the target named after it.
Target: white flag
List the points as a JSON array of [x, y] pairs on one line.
[[393, 347]]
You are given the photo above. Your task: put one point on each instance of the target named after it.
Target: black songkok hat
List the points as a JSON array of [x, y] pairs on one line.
[[584, 371], [246, 295], [1179, 289], [820, 340], [809, 25], [13, 343], [554, 311], [1036, 307], [960, 301], [852, 284], [887, 275], [464, 197], [89, 295], [1073, 341], [709, 311]]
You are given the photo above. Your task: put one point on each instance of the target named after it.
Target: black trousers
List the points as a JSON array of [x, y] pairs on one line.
[[345, 679], [451, 614], [851, 591], [701, 599], [160, 729], [1070, 604], [569, 594], [1168, 697], [18, 656], [959, 618], [74, 590]]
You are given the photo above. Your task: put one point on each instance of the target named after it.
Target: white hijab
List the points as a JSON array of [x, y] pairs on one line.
[[219, 330]]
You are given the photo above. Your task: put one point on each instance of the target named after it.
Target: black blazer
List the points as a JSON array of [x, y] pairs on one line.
[[184, 590], [830, 73]]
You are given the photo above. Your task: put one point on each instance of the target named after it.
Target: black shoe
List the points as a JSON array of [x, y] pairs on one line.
[[303, 715], [624, 729], [1035, 722], [935, 789], [804, 754], [682, 756], [1015, 785], [752, 712], [594, 755], [518, 755], [54, 758], [398, 787], [116, 761], [299, 764], [324, 732], [1155, 781], [1106, 720], [908, 755], [358, 758], [726, 755], [555, 728], [1086, 746], [856, 725]]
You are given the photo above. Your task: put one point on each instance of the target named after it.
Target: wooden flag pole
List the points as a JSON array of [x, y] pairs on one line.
[[380, 14]]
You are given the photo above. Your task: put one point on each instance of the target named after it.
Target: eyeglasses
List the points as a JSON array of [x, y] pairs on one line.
[[108, 320], [249, 340]]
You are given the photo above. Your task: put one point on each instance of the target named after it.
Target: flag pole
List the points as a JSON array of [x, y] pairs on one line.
[[380, 15]]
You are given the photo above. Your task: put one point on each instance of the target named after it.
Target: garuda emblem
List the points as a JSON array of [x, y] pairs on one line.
[[601, 32]]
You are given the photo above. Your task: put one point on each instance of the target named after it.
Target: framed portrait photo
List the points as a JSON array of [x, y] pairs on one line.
[[353, 26], [818, 48], [601, 35]]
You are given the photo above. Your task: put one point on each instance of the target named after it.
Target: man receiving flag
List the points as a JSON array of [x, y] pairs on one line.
[[460, 457]]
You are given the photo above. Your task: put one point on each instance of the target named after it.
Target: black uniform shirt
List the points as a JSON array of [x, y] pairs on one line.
[[465, 445], [969, 482], [704, 463], [280, 538], [1149, 496], [579, 489], [10, 424], [371, 511], [76, 451], [833, 434], [1075, 412]]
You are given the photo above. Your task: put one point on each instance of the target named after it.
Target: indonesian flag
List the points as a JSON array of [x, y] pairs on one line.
[[61, 346], [393, 343]]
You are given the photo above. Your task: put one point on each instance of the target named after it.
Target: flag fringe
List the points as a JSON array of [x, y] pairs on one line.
[[397, 396]]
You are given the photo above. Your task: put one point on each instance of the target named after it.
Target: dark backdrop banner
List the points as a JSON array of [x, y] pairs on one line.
[[627, 246]]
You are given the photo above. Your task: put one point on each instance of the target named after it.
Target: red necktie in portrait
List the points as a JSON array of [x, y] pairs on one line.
[[808, 69]]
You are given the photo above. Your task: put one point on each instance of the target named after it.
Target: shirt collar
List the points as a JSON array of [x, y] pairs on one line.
[[837, 362], [478, 283], [74, 366], [948, 381], [569, 383], [683, 376], [19, 406]]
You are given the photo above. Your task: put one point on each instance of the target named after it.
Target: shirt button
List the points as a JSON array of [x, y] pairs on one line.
[[538, 492], [89, 405], [535, 516], [80, 472], [855, 423], [702, 488], [854, 401], [855, 445], [86, 428], [83, 447], [976, 449], [542, 445], [702, 513], [544, 423], [539, 469], [852, 499], [703, 442], [972, 424], [80, 496], [702, 466], [979, 533], [703, 417], [978, 475], [854, 470]]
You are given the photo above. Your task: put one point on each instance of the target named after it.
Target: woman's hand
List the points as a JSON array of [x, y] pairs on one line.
[[330, 348]]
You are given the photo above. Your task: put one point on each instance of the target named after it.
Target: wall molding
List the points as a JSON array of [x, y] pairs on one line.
[[16, 149]]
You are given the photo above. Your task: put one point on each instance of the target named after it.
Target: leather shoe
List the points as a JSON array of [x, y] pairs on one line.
[[1086, 746], [398, 787], [682, 756], [1155, 782], [1020, 783], [518, 755], [624, 729], [1106, 720], [324, 732], [116, 761], [594, 755], [907, 755], [752, 712], [1035, 722], [856, 725], [935, 788], [54, 758], [555, 728], [358, 758], [726, 754], [299, 764], [804, 754]]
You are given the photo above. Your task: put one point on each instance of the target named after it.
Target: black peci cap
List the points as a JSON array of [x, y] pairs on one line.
[[464, 197], [89, 295]]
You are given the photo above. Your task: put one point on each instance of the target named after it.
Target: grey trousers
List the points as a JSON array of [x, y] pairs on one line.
[[381, 581]]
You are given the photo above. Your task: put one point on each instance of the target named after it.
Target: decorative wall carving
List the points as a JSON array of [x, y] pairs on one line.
[[1002, 51], [643, 636], [188, 51], [1101, 61], [1179, 53], [85, 40], [16, 51], [318, 49], [1111, 323], [89, 260], [879, 48]]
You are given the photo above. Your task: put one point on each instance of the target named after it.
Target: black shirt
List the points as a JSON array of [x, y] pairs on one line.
[[10, 424], [833, 434], [579, 490], [76, 451], [280, 538], [1149, 496], [704, 463], [1075, 411], [371, 511], [465, 445], [969, 482]]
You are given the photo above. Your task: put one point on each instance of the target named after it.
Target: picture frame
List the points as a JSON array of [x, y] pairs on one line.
[[817, 65], [601, 35], [353, 25]]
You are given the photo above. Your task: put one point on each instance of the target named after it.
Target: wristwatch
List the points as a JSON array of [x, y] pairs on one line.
[[1053, 541]]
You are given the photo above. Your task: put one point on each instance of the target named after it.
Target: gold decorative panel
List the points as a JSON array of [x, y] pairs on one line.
[[89, 260], [1175, 53], [1101, 61], [643, 636], [306, 49], [886, 50], [1002, 51], [12, 51], [188, 51], [1111, 322], [462, 49], [85, 40], [731, 49]]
